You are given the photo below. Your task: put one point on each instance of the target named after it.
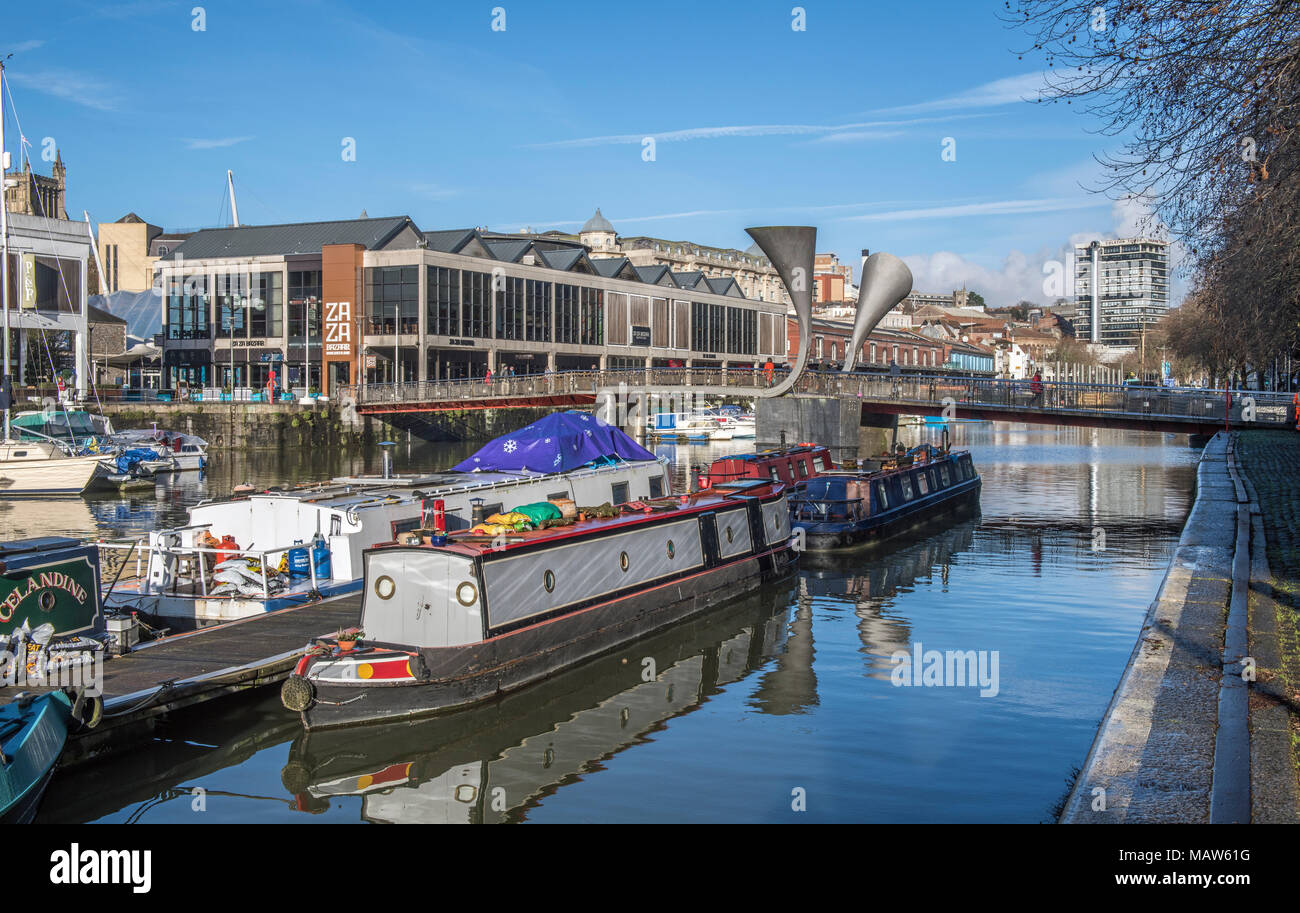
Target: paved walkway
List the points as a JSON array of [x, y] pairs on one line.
[[1188, 737], [1270, 462]]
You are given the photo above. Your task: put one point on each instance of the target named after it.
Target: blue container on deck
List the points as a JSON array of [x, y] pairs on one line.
[[299, 560], [320, 557]]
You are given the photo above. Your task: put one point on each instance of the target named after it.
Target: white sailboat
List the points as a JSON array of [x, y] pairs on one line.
[[36, 467]]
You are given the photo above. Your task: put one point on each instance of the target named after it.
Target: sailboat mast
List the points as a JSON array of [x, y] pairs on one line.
[[6, 387]]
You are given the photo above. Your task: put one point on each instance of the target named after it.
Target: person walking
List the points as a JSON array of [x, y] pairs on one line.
[[1296, 400], [769, 371], [1036, 387]]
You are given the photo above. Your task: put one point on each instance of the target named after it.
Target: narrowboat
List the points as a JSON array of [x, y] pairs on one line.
[[446, 626], [262, 551], [844, 508], [790, 466]]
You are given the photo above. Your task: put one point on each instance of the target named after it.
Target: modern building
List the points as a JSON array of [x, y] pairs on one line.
[[129, 249], [47, 294], [960, 298], [832, 280], [31, 194], [1122, 288], [751, 270], [379, 300]]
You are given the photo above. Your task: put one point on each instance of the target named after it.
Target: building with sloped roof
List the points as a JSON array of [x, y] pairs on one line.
[[753, 273], [370, 301]]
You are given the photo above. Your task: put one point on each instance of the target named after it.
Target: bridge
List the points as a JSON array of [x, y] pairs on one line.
[[1177, 410]]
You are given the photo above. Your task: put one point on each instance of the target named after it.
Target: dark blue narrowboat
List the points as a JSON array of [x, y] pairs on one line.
[[845, 508]]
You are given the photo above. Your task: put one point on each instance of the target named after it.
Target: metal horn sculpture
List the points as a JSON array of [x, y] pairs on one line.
[[886, 281], [791, 249]]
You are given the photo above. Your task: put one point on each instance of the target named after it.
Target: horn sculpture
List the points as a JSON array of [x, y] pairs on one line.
[[791, 249], [886, 281]]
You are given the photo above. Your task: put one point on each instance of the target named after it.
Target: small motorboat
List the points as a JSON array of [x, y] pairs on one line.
[[468, 617], [33, 730]]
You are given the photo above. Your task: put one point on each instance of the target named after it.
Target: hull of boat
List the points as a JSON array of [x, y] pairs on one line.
[[59, 476], [32, 752], [837, 535], [185, 612], [462, 676]]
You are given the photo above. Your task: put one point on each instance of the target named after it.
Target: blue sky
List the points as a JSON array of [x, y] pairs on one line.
[[841, 125]]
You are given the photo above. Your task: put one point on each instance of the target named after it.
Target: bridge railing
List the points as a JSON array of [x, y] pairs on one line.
[[1262, 407]]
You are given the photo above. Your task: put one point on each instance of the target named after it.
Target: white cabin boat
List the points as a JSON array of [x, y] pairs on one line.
[[31, 468], [175, 577]]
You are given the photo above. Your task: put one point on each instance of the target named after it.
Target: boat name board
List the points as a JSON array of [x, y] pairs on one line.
[[57, 593]]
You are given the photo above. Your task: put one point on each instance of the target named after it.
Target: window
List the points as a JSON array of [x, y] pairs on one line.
[[657, 486], [922, 483], [304, 302], [882, 495], [187, 308], [906, 485], [707, 325], [803, 469], [476, 308], [442, 301], [618, 493], [392, 300], [944, 479], [742, 331], [579, 315], [618, 335]]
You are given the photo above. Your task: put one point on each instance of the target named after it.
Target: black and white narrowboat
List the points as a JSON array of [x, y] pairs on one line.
[[846, 508], [447, 626]]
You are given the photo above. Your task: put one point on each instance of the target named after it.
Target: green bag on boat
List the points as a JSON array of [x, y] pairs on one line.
[[540, 512]]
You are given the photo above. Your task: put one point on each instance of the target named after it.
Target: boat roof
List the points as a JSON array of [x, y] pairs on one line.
[[559, 442], [722, 495]]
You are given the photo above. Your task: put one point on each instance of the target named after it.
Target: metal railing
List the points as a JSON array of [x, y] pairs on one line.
[[1190, 403], [188, 564]]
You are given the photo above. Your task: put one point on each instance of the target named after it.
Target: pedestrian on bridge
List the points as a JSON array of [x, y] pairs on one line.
[[1036, 387], [769, 371], [1296, 400]]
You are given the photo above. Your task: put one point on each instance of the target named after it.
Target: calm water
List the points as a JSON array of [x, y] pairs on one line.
[[785, 690]]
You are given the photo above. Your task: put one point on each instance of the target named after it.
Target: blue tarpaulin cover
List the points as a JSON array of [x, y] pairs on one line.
[[557, 443], [127, 460]]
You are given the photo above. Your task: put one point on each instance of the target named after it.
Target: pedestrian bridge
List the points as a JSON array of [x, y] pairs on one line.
[[1180, 410]]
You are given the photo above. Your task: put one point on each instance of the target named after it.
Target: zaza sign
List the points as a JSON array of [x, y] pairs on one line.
[[338, 328]]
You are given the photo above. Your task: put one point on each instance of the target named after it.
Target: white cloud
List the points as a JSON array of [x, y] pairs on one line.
[[215, 143], [694, 133], [1021, 275], [30, 45], [69, 85], [1010, 90], [992, 208]]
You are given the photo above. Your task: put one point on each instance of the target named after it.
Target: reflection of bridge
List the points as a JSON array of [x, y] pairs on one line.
[[1167, 409]]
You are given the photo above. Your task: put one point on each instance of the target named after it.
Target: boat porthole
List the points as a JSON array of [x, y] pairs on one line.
[[385, 587], [548, 581], [466, 594], [622, 560], [729, 535], [466, 792], [46, 600], [671, 550]]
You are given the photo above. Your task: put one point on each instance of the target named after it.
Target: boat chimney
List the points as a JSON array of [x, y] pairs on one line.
[[388, 457]]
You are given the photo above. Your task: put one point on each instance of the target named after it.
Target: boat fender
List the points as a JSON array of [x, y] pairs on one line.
[[88, 709], [297, 693], [419, 668]]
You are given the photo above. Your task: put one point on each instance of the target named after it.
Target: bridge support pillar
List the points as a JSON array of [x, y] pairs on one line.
[[829, 420]]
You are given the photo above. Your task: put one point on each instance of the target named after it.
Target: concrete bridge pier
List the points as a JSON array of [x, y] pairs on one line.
[[831, 420]]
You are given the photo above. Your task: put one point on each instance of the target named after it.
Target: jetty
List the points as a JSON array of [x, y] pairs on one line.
[[195, 667]]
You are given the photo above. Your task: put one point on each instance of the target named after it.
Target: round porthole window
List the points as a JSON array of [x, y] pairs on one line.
[[466, 594], [385, 587], [622, 560], [548, 581], [671, 550]]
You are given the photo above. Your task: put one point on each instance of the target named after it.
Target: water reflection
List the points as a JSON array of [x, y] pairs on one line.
[[493, 764]]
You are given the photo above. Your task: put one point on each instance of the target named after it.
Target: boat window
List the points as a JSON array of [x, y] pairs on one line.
[[944, 478], [557, 496], [336, 524], [776, 476], [618, 492], [548, 581], [922, 483], [656, 486], [803, 469], [826, 462], [19, 453], [882, 495], [906, 484], [623, 560], [671, 549]]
